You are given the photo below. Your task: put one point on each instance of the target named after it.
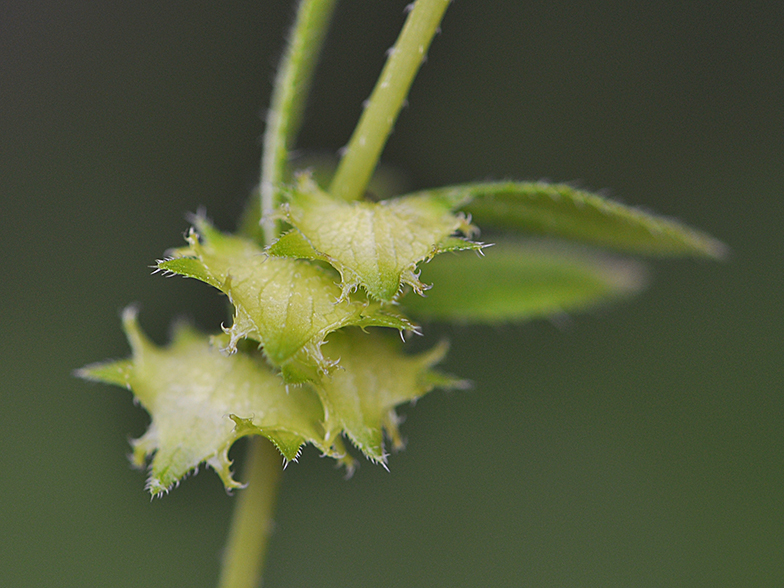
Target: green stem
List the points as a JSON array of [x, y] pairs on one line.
[[251, 525], [288, 102], [362, 153]]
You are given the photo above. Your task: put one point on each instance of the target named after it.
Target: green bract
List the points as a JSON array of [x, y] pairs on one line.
[[289, 306], [201, 400], [372, 378], [376, 245]]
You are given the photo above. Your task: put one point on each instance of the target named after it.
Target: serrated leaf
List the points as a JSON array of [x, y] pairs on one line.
[[562, 211], [374, 376], [289, 306], [515, 281], [375, 245], [201, 401]]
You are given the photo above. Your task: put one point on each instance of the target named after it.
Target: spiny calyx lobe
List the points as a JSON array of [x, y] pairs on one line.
[[375, 245], [289, 306]]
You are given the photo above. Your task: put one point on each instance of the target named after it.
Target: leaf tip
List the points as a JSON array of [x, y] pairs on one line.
[[718, 250]]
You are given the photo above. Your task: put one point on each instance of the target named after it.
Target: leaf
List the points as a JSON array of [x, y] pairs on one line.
[[201, 401], [373, 377], [562, 211], [287, 305], [515, 281], [375, 245]]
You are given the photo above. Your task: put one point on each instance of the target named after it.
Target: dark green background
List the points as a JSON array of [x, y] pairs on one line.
[[640, 445]]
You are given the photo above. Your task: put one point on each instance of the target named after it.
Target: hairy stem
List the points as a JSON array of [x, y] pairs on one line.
[[362, 153], [251, 525], [288, 101]]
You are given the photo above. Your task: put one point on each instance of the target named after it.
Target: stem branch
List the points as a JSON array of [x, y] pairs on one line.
[[251, 524], [290, 90], [364, 149]]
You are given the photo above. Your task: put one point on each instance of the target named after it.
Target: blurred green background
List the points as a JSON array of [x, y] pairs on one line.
[[640, 445]]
